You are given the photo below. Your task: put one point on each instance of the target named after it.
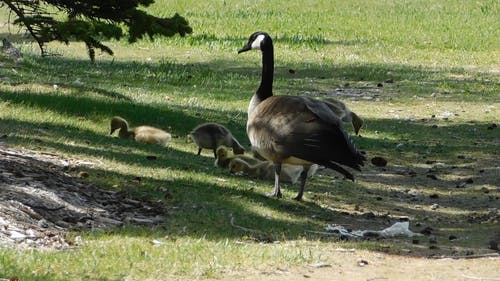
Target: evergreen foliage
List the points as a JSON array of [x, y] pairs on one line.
[[92, 21]]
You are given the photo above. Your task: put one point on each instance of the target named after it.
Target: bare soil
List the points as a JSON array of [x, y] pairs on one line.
[[41, 201], [370, 266]]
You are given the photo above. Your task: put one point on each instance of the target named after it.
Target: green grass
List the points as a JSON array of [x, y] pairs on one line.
[[443, 57]]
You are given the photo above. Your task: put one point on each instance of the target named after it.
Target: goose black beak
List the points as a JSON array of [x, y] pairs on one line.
[[244, 49]]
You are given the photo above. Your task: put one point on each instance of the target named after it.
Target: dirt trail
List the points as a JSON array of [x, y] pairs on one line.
[[347, 266]]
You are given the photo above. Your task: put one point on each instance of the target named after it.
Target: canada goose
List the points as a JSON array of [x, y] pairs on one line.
[[223, 158], [344, 113], [293, 129], [213, 135], [265, 170], [145, 134]]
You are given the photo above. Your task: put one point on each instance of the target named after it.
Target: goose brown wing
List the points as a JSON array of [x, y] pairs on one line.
[[322, 143], [316, 134]]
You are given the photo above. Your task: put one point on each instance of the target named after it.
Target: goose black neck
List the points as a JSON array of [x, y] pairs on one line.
[[266, 84]]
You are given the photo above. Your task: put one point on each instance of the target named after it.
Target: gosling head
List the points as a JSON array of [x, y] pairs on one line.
[[221, 153], [118, 123], [357, 122], [258, 41]]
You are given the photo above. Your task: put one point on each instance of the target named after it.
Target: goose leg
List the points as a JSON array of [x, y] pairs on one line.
[[215, 153], [277, 190], [199, 151], [303, 178]]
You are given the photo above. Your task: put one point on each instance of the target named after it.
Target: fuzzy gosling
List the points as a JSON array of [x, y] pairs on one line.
[[223, 158], [145, 134], [213, 135]]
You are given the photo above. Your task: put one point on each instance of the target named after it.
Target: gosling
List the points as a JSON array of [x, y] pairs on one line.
[[144, 134], [344, 113], [265, 170], [213, 135], [223, 158]]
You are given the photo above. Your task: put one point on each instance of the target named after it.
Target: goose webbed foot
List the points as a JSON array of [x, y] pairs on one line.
[[275, 194]]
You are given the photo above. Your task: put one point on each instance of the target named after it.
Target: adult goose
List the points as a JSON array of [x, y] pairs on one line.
[[293, 129]]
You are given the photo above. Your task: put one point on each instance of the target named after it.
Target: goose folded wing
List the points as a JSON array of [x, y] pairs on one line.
[[318, 136]]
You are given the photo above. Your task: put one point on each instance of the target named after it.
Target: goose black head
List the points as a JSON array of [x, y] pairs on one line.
[[258, 41]]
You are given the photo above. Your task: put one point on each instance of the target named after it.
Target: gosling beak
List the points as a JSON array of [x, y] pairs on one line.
[[244, 49]]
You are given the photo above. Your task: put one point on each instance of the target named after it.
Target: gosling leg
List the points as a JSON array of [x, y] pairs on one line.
[[199, 151]]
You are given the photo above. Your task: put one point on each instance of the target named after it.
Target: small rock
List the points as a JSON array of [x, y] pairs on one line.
[[389, 81], [151, 157], [380, 85], [83, 174], [452, 237], [461, 185], [17, 235], [494, 245], [362, 263], [461, 156], [414, 193], [469, 180], [291, 71], [434, 126], [434, 206], [434, 196], [379, 161]]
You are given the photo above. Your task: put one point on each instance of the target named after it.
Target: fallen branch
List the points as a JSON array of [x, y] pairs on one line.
[[338, 234], [489, 255], [241, 227], [323, 233]]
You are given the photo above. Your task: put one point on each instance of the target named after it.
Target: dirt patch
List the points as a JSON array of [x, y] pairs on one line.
[[365, 265], [40, 201]]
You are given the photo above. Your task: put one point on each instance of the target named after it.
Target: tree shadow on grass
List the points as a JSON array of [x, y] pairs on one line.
[[179, 120], [209, 204], [455, 83]]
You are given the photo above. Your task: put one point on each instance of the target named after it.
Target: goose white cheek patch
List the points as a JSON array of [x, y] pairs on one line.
[[257, 41]]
